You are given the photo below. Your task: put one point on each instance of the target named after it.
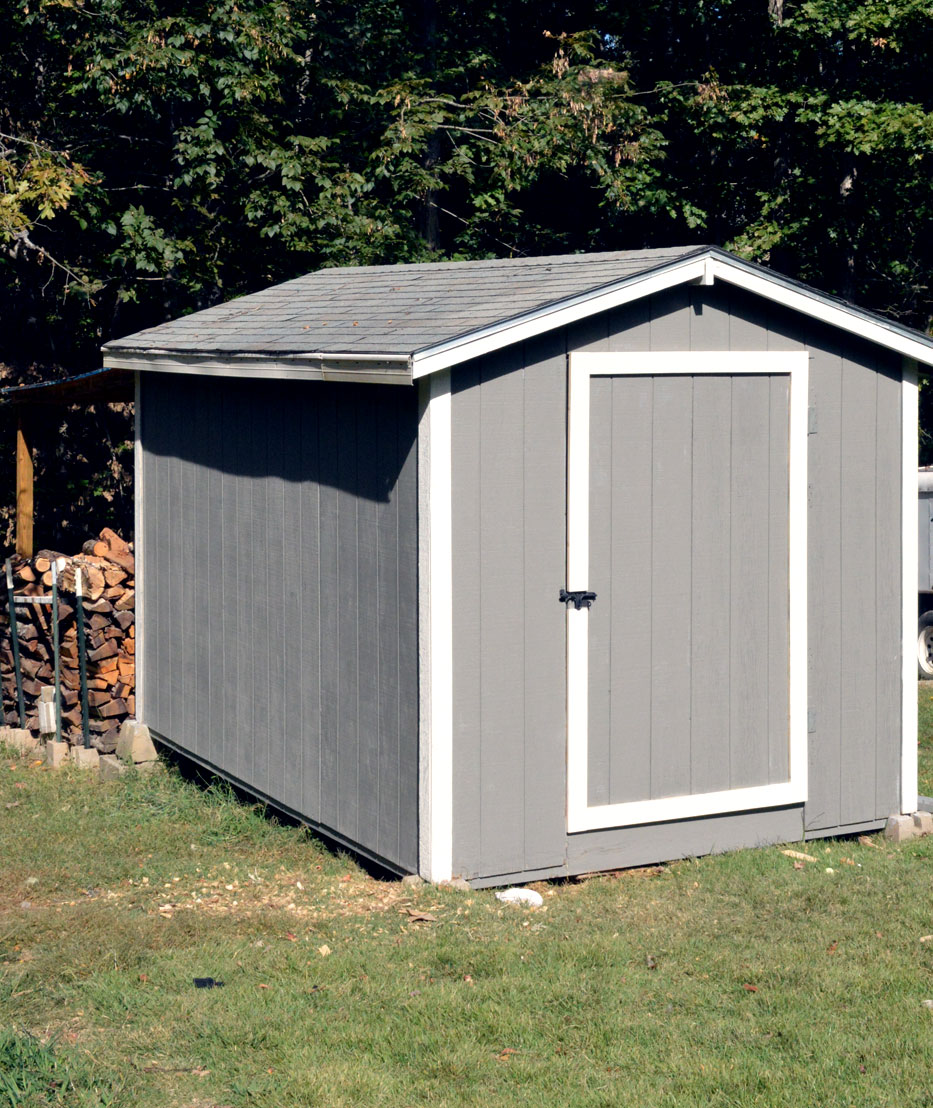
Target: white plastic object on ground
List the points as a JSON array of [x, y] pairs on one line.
[[521, 896]]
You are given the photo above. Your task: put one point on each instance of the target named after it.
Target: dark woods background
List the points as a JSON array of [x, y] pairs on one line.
[[157, 157]]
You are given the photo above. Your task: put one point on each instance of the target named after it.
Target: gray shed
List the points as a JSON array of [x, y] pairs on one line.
[[361, 493]]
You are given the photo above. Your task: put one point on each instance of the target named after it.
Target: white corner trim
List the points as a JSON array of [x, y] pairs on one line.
[[795, 365], [909, 553], [435, 631], [138, 555]]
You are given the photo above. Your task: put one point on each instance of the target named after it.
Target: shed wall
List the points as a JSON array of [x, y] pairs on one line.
[[509, 460], [279, 637]]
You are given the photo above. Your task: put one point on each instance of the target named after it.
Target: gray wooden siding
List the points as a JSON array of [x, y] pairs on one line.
[[280, 594], [509, 659], [688, 638]]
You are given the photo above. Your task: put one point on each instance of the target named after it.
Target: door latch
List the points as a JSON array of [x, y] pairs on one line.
[[579, 599]]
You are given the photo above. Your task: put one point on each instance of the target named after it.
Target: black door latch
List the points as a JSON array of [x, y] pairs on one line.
[[579, 599]]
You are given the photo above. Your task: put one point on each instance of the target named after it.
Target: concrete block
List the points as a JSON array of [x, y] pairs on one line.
[[56, 754], [46, 717], [900, 828], [47, 694], [923, 821], [20, 739], [85, 757], [457, 883], [111, 768], [412, 881], [135, 743]]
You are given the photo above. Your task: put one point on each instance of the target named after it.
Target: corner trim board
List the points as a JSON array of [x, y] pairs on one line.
[[909, 553], [435, 598], [138, 553], [581, 816]]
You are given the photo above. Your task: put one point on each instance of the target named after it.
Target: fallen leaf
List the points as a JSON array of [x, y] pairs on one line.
[[144, 977], [261, 986], [750, 988], [15, 804], [866, 841], [831, 949], [650, 962], [926, 938], [291, 938], [323, 950], [799, 865], [420, 917], [19, 784], [507, 1052], [797, 854]]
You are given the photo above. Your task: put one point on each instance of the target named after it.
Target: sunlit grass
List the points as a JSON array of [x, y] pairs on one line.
[[735, 980]]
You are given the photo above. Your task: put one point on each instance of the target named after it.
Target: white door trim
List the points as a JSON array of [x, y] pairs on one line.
[[795, 365]]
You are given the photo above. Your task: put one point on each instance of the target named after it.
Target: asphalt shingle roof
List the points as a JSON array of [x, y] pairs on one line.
[[393, 310]]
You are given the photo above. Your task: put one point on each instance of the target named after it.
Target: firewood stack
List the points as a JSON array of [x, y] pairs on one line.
[[107, 570]]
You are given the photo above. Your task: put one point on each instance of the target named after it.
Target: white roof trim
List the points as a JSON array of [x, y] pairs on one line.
[[564, 312], [810, 302], [703, 269]]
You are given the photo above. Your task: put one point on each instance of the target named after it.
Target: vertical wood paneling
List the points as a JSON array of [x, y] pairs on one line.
[[858, 585], [280, 545], [709, 319], [329, 586], [749, 557], [311, 609], [212, 566], [601, 578], [293, 754], [824, 623], [406, 493], [388, 752], [228, 592], [671, 582], [370, 608], [545, 738], [710, 644], [777, 598], [278, 578], [502, 633], [629, 611]]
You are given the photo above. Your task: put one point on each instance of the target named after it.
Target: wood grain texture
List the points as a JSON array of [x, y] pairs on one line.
[[274, 521], [24, 489]]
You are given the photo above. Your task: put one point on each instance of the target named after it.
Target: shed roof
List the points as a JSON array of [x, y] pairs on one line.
[[367, 322]]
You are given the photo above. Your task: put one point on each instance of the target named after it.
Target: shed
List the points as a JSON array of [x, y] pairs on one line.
[[363, 497]]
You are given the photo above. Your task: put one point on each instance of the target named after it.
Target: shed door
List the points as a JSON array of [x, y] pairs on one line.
[[687, 517]]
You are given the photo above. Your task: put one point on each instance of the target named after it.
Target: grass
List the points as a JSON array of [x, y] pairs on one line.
[[925, 734], [728, 981]]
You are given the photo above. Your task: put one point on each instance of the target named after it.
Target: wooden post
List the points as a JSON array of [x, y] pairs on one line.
[[24, 486]]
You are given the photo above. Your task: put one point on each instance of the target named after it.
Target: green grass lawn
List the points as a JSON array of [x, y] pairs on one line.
[[735, 980], [925, 735]]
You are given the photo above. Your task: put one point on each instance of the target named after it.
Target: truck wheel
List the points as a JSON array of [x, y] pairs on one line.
[[925, 645]]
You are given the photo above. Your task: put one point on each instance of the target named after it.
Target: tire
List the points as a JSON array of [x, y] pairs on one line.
[[925, 645]]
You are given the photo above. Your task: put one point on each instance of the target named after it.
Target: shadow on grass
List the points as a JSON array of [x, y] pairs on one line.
[[198, 775]]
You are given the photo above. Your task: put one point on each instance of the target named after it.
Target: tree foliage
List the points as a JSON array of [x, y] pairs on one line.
[[157, 156]]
